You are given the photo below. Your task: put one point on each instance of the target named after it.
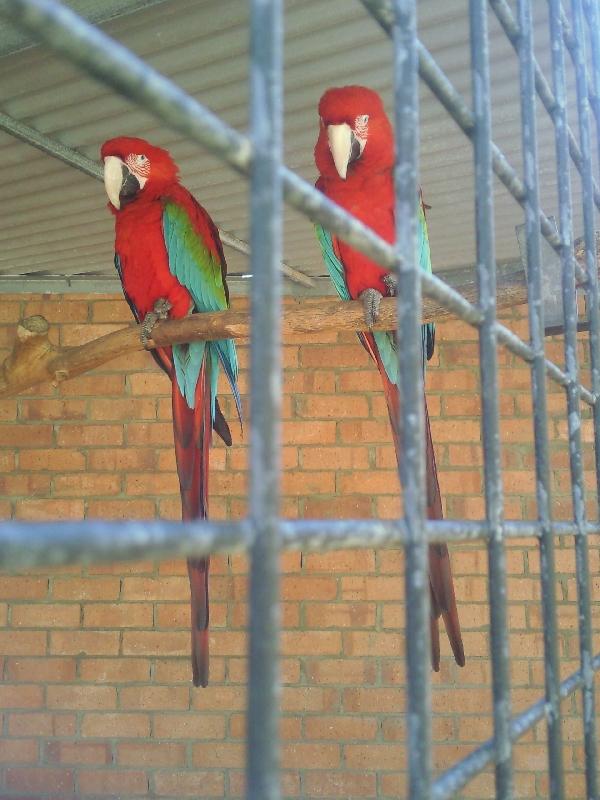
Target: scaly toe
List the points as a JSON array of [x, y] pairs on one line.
[[162, 308], [371, 299], [391, 281]]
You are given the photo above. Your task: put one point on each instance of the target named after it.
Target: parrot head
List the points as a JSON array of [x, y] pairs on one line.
[[134, 168], [355, 135]]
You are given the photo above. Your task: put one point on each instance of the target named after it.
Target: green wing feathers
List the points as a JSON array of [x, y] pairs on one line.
[[196, 267]]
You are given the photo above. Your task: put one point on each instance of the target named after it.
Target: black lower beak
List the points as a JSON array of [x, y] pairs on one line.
[[129, 188], [355, 151]]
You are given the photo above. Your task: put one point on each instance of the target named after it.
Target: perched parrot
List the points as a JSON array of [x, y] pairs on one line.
[[354, 155], [170, 261]]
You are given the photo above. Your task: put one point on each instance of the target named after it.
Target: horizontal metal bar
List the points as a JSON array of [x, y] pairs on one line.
[[510, 26], [110, 62], [54, 544], [451, 781], [72, 158]]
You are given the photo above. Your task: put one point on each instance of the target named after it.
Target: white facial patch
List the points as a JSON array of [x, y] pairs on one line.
[[361, 130], [139, 165]]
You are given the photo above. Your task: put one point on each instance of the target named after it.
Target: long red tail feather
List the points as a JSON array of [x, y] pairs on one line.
[[192, 432], [443, 600]]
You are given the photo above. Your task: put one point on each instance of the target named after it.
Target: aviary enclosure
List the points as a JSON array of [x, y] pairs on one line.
[[574, 34]]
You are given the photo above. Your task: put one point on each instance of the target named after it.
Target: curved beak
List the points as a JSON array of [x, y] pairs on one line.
[[345, 147], [121, 185]]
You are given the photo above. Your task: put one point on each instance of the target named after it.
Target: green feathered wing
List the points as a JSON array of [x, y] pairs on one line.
[[195, 266]]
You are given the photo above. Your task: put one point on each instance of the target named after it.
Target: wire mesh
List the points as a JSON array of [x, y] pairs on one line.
[[264, 533]]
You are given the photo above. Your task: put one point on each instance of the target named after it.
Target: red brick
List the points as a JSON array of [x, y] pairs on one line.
[[80, 697], [339, 784], [75, 753], [39, 779], [19, 751], [53, 409], [118, 615], [300, 699], [22, 587], [339, 615], [86, 588], [43, 670], [89, 435], [41, 724], [114, 670], [49, 509], [363, 756], [189, 725], [45, 615], [22, 643], [99, 724], [310, 756], [77, 642], [299, 587], [189, 784], [154, 697], [111, 782], [347, 507], [58, 460], [121, 459], [28, 485], [29, 435], [340, 728], [86, 485], [121, 509], [89, 385], [151, 754], [155, 643], [222, 755], [341, 671]]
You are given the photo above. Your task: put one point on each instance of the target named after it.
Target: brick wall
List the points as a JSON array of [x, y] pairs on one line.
[[95, 698]]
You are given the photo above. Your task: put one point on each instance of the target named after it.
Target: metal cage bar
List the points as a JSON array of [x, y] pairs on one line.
[[412, 466], [264, 533], [513, 30], [266, 67], [488, 365], [528, 74], [573, 408], [581, 542]]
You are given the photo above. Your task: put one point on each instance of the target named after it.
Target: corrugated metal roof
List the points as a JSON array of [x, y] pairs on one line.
[[53, 219]]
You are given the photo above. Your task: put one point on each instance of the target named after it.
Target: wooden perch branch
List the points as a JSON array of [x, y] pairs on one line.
[[34, 359]]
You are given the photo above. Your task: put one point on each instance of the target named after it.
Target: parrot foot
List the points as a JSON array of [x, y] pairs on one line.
[[161, 311], [371, 299], [391, 281]]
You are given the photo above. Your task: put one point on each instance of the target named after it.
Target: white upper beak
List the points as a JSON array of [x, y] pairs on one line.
[[340, 144], [113, 179]]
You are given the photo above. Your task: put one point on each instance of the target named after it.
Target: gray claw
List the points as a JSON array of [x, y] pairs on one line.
[[371, 299], [391, 281], [161, 311]]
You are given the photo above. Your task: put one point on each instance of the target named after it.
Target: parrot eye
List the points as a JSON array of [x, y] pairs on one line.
[[141, 159], [361, 121]]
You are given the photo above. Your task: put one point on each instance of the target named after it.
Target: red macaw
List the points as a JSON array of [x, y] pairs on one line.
[[170, 261], [355, 158]]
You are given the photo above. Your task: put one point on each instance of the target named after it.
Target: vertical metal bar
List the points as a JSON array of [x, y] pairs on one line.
[[572, 389], [412, 468], [486, 277], [591, 285], [262, 756], [538, 377], [581, 541], [592, 10]]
